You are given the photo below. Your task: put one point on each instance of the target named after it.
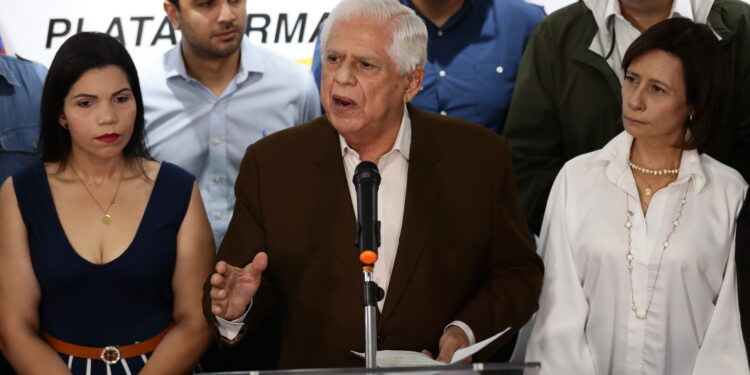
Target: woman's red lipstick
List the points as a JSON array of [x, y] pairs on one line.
[[108, 138]]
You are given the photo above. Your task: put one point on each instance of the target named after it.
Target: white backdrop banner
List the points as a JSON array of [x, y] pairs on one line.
[[35, 29]]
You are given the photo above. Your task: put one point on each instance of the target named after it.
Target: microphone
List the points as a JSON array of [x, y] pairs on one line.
[[366, 181]]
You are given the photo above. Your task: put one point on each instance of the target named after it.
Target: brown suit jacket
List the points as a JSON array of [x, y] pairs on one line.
[[464, 251]]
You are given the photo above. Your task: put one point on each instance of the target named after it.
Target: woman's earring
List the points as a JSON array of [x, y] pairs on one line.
[[690, 117]]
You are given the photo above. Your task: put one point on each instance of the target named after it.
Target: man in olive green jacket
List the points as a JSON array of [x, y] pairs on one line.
[[567, 99]]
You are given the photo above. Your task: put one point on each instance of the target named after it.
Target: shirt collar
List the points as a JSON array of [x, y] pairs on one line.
[[462, 12], [402, 143], [615, 155], [605, 10], [250, 62], [7, 72]]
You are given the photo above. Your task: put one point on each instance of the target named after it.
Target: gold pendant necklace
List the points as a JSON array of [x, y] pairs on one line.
[[655, 172], [106, 217], [648, 191]]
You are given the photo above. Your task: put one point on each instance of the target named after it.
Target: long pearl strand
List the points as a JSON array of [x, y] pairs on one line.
[[665, 245]]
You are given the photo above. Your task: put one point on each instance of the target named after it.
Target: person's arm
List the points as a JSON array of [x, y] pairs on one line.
[[533, 127], [558, 340], [20, 295], [236, 281], [183, 345], [722, 350], [742, 264], [512, 272]]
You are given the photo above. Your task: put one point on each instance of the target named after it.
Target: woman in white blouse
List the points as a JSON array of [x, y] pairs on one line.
[[637, 237]]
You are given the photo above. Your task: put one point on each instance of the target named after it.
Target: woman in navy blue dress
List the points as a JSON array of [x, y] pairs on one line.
[[104, 251]]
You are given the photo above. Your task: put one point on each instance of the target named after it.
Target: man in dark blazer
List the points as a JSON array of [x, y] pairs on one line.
[[462, 268]]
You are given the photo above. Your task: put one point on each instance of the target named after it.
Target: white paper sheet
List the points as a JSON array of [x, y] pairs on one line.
[[405, 358]]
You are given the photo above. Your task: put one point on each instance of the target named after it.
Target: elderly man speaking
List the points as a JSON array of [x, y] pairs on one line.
[[456, 261]]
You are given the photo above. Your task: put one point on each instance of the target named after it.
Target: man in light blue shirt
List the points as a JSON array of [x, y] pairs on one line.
[[214, 94], [21, 84]]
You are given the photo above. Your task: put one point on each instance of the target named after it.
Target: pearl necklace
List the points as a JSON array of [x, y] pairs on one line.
[[655, 172], [665, 245]]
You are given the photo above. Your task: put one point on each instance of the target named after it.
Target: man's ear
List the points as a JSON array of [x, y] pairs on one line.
[[413, 83], [172, 13]]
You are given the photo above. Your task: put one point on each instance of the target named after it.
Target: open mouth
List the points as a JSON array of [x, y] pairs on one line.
[[342, 102]]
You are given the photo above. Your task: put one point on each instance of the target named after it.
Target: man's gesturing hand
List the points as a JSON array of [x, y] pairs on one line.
[[232, 288]]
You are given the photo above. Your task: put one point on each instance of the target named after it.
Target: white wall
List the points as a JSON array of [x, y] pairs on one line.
[[35, 29]]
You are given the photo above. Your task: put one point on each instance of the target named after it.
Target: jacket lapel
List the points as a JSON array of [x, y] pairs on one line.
[[331, 192], [422, 192]]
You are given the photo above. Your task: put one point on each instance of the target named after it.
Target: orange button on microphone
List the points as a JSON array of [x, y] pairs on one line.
[[368, 257]]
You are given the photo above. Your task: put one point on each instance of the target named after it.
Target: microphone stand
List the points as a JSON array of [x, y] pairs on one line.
[[366, 180], [372, 294]]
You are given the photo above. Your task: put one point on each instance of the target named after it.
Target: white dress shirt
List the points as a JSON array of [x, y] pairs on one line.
[[585, 324], [393, 168], [607, 12]]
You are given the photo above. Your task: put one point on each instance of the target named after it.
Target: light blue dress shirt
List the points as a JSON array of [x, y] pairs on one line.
[[187, 125], [21, 84]]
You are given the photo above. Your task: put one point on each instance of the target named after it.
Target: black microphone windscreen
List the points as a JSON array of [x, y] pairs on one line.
[[366, 170]]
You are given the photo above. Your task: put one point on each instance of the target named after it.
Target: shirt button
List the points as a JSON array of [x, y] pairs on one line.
[[218, 215], [444, 113], [440, 32], [217, 141], [377, 280], [442, 73], [499, 69], [217, 178]]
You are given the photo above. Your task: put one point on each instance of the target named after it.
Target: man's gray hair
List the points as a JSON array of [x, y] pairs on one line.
[[408, 45]]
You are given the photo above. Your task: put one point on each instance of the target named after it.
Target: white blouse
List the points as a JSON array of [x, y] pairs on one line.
[[585, 324]]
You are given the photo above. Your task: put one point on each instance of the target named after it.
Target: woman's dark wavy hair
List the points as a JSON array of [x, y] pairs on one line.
[[80, 53], [704, 71]]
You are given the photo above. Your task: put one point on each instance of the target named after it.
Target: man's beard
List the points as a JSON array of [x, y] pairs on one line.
[[212, 51]]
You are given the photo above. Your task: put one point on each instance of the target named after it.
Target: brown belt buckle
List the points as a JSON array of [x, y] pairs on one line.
[[110, 355]]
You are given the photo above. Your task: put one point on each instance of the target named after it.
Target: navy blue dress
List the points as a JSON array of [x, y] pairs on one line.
[[121, 302]]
